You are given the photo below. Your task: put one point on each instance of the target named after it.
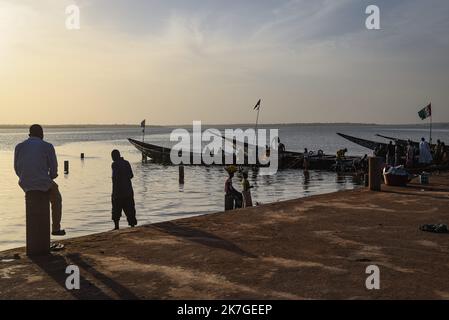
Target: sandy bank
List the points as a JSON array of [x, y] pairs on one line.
[[313, 248]]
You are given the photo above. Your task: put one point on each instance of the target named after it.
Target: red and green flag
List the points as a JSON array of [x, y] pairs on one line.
[[425, 112]]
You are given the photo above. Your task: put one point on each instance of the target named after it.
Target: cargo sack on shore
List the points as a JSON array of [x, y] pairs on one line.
[[435, 228]]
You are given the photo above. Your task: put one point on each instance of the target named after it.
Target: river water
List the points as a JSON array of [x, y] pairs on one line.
[[159, 197]]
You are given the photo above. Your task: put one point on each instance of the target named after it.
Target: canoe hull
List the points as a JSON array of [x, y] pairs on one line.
[[287, 160], [363, 142]]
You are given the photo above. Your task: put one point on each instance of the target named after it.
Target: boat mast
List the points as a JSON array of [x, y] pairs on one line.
[[257, 125], [257, 117], [430, 136]]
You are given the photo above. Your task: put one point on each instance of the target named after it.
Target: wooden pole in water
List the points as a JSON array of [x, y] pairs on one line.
[[82, 156], [181, 174], [66, 167], [375, 173]]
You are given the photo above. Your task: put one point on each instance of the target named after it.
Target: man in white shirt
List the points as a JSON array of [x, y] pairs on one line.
[[36, 166], [425, 155]]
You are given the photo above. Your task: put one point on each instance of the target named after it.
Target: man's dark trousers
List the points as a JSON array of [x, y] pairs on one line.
[[37, 223], [127, 205]]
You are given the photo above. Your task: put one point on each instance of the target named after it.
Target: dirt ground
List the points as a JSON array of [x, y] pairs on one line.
[[311, 248]]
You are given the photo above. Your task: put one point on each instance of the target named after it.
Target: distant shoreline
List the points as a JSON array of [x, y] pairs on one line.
[[425, 125]]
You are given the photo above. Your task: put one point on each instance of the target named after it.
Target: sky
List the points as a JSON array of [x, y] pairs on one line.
[[175, 61]]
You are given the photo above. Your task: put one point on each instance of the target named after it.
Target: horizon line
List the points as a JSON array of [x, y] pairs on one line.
[[221, 124]]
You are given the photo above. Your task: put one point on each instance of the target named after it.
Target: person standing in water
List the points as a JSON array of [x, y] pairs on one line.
[[340, 156], [36, 165], [305, 160], [246, 192], [122, 191], [281, 146], [231, 193]]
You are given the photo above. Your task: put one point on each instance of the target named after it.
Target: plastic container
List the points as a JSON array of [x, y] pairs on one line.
[[424, 178]]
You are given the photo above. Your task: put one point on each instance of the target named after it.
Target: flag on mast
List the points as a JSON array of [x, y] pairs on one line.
[[142, 125], [425, 112], [257, 107]]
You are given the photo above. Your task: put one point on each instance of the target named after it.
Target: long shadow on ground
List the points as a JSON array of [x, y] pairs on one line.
[[55, 266], [201, 237]]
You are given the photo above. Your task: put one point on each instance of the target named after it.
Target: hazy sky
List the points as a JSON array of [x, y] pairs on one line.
[[174, 61]]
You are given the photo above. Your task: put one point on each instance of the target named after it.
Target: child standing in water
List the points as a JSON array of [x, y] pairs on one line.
[[233, 198], [247, 199]]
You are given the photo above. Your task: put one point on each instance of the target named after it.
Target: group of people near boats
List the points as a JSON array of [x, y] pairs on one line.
[[235, 199], [410, 155], [413, 156]]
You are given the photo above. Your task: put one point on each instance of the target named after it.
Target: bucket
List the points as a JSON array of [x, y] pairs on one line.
[[424, 178]]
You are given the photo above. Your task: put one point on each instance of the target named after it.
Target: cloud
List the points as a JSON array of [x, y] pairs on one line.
[[175, 61]]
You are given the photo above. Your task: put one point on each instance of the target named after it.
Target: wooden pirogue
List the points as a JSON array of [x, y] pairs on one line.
[[287, 159]]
